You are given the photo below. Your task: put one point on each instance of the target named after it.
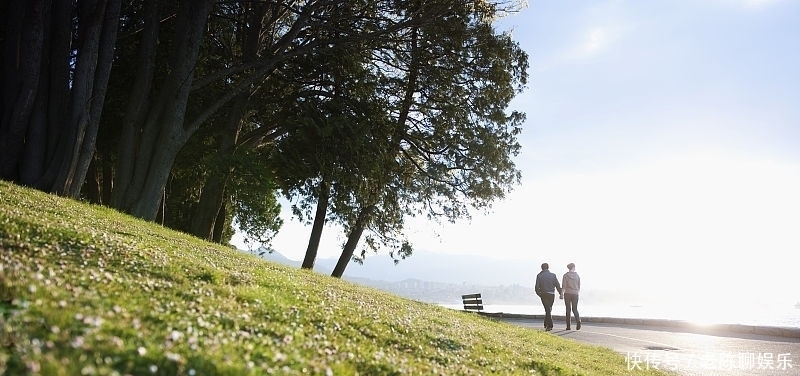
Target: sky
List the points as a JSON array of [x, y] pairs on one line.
[[661, 151]]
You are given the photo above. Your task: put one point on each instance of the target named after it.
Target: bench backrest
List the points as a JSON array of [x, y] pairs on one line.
[[472, 302]]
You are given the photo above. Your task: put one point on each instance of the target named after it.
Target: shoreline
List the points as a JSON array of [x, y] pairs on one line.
[[689, 327]]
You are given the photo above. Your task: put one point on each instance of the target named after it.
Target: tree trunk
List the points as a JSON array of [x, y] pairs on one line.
[[352, 241], [98, 45], [319, 224], [151, 171], [137, 104], [92, 185], [25, 27], [50, 111], [214, 190], [164, 132], [219, 224], [207, 209]]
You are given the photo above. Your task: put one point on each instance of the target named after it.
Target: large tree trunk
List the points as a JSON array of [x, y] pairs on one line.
[[137, 104], [50, 111], [97, 53], [25, 29], [319, 224], [144, 176], [352, 241], [206, 212]]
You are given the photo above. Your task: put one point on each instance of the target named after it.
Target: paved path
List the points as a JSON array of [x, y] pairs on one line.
[[683, 349]]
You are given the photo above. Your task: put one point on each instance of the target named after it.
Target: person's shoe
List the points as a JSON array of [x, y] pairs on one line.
[[577, 327], [548, 329], [568, 328]]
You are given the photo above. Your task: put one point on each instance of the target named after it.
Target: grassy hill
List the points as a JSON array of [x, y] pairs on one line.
[[85, 290]]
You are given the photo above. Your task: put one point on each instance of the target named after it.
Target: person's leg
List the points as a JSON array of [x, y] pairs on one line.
[[543, 297], [575, 311], [548, 311], [567, 302]]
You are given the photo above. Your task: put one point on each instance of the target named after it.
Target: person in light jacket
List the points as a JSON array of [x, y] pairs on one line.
[[571, 283]]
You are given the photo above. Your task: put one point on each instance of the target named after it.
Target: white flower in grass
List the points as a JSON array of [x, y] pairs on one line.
[[173, 357], [116, 341], [77, 342], [175, 335]]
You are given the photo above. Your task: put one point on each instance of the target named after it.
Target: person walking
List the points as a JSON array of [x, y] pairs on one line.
[[571, 282], [546, 284]]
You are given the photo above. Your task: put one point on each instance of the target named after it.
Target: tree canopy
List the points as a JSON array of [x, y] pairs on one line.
[[201, 113]]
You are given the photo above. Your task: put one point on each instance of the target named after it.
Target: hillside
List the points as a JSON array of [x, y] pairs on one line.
[[87, 290]]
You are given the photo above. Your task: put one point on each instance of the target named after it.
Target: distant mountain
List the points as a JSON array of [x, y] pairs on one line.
[[276, 257], [436, 278], [437, 267], [433, 267], [446, 293]]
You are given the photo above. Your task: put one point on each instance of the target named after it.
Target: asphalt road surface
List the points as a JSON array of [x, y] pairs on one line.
[[671, 349]]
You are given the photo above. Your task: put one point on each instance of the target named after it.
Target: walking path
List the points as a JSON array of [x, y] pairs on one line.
[[684, 348]]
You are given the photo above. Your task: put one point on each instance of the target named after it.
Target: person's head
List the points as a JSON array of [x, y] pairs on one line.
[[571, 266], [545, 266]]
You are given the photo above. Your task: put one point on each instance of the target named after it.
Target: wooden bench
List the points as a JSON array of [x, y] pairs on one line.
[[472, 302]]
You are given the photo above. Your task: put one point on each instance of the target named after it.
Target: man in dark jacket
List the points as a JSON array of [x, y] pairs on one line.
[[546, 284]]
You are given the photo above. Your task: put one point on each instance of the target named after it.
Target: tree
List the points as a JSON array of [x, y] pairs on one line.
[[453, 141], [349, 38], [334, 137], [161, 118], [155, 127], [57, 58], [198, 196], [220, 80], [247, 35]]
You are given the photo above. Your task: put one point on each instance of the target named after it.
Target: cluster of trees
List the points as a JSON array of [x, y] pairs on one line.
[[192, 113]]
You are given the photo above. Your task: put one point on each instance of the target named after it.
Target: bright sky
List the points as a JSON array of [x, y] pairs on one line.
[[661, 150]]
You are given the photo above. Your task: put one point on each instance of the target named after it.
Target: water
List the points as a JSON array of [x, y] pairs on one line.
[[776, 315]]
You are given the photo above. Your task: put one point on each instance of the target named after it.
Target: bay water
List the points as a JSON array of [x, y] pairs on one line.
[[762, 314]]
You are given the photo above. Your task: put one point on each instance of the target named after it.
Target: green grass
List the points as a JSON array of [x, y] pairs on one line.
[[85, 290]]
